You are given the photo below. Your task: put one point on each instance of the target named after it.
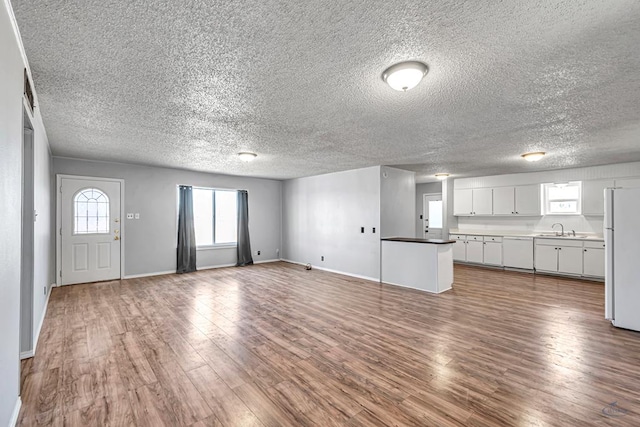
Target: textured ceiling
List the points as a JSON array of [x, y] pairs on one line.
[[190, 83]]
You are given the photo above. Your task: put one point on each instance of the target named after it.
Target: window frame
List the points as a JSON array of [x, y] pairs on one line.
[[213, 220], [546, 201]]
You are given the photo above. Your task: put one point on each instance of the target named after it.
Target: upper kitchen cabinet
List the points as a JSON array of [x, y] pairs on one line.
[[477, 201], [528, 200], [504, 201], [593, 196], [628, 183], [519, 200]]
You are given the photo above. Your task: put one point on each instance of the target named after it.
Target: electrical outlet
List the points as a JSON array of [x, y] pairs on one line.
[[322, 258], [137, 216], [374, 230], [258, 252]]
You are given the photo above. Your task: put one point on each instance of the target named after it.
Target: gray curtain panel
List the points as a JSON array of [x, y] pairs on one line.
[[186, 232], [244, 244]]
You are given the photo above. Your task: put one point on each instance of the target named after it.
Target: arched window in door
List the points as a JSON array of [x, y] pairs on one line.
[[91, 212]]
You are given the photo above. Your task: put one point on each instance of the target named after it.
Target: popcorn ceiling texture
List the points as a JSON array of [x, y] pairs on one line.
[[190, 83]]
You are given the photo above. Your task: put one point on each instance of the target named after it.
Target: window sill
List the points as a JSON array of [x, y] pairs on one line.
[[215, 247]]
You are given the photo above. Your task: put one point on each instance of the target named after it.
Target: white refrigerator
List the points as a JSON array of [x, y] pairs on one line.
[[622, 262]]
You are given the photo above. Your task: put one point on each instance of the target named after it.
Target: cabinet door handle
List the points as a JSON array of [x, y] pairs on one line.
[[585, 250]]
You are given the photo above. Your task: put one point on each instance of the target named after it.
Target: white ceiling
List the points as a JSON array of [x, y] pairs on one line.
[[188, 84]]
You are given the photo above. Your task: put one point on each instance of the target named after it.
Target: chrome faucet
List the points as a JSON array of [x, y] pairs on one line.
[[561, 226]]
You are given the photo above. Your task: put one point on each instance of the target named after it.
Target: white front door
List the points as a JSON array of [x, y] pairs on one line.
[[90, 230], [432, 216]]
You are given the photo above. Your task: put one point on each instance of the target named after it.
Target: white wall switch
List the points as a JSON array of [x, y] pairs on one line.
[[129, 216], [137, 216]]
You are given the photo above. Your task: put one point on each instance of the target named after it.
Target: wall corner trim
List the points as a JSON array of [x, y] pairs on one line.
[[16, 411]]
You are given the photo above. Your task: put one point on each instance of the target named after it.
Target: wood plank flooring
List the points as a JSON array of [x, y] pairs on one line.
[[275, 345]]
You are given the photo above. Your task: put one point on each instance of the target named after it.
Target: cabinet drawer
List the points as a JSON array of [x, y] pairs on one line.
[[594, 245], [457, 237], [474, 238], [497, 239]]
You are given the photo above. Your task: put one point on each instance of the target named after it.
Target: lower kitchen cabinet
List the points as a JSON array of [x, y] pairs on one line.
[[459, 247], [593, 256], [493, 251], [547, 258], [559, 256], [570, 260], [475, 251]]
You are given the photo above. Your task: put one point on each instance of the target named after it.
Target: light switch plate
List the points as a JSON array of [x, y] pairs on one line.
[[129, 216], [137, 216]]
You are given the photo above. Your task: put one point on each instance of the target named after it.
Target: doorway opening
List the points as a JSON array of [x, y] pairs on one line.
[[432, 215], [27, 246]]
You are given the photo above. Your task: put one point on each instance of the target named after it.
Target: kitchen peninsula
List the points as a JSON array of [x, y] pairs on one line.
[[423, 264]]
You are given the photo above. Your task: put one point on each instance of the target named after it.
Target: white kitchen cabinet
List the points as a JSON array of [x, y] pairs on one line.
[[559, 256], [463, 202], [517, 252], [475, 250], [504, 201], [518, 200], [482, 201], [570, 260], [459, 247], [527, 200], [547, 258], [492, 251], [593, 257], [473, 201], [593, 196]]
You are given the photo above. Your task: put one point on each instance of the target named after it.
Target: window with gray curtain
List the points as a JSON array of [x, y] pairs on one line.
[[186, 256]]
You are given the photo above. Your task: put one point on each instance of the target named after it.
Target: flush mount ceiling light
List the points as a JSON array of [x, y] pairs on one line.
[[533, 157], [246, 156], [442, 176], [405, 75]]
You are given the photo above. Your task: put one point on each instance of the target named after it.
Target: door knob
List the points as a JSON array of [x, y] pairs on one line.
[[116, 237]]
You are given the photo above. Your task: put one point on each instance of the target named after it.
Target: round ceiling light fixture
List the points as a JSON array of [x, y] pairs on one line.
[[533, 157], [405, 75], [247, 156], [442, 176]]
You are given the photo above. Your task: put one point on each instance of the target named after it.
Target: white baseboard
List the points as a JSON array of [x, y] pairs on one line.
[[206, 267], [266, 261], [36, 336], [16, 411], [209, 267], [157, 273], [344, 273]]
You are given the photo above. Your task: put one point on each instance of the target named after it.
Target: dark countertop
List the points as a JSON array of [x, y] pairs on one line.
[[412, 240]]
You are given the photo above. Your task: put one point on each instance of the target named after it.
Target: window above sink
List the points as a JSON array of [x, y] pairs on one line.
[[562, 198]]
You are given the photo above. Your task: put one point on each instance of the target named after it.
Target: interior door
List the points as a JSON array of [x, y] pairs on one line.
[[90, 230], [432, 212]]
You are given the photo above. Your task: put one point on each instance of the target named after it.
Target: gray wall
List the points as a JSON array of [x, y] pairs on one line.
[[421, 189], [11, 84], [322, 216], [150, 242], [397, 202]]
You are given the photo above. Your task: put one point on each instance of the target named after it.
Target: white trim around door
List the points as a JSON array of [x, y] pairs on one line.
[[59, 178]]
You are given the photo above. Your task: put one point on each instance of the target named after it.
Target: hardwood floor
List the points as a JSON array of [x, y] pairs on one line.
[[275, 345]]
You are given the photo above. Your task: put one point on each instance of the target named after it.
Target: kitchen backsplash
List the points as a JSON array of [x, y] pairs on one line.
[[579, 223]]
